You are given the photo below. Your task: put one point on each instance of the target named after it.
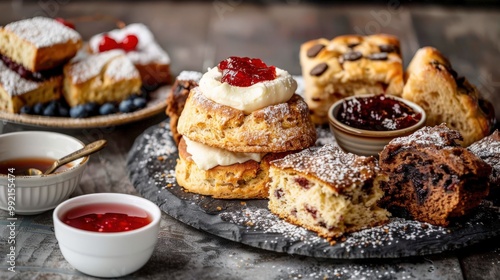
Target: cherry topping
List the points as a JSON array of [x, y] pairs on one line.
[[65, 22], [245, 71], [107, 43], [129, 43]]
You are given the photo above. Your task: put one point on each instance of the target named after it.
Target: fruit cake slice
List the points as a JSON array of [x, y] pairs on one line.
[[327, 191]]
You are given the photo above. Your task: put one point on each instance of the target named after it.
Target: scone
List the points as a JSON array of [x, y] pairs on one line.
[[488, 149], [152, 62], [16, 91], [39, 43], [349, 65], [432, 83], [432, 177], [176, 100], [242, 115], [100, 78], [327, 191]]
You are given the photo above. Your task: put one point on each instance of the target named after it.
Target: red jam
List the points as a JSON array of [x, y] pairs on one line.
[[245, 71], [379, 112], [107, 217]]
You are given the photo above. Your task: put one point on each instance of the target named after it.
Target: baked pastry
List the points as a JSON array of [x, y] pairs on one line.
[[152, 62], [183, 84], [327, 191], [488, 149], [349, 65], [16, 91], [446, 97], [104, 77], [242, 115], [39, 43], [431, 176]]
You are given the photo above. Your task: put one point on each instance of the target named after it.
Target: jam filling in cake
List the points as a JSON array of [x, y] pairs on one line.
[[26, 74]]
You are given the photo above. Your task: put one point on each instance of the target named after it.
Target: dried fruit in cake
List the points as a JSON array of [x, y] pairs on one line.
[[432, 177], [17, 92], [39, 43], [327, 191], [100, 78], [152, 62], [176, 100], [446, 97], [488, 149], [231, 132], [349, 65]]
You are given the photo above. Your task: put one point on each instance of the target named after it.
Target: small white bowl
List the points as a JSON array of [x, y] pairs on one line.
[[36, 194], [107, 254], [368, 142]]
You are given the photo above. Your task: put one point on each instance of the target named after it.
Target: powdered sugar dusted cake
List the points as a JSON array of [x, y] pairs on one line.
[[15, 91], [327, 191], [150, 59], [39, 43], [488, 149], [104, 77], [432, 177]]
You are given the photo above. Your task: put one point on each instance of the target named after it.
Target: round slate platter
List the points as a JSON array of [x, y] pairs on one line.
[[151, 163]]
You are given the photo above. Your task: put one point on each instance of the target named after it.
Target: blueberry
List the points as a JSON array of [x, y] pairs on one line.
[[51, 109], [92, 108], [63, 111], [107, 108], [126, 106], [38, 108], [140, 102], [26, 109], [78, 112]]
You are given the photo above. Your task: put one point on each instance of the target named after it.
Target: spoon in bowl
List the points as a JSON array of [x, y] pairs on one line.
[[85, 151]]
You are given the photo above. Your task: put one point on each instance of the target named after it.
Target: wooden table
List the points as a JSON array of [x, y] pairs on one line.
[[198, 35]]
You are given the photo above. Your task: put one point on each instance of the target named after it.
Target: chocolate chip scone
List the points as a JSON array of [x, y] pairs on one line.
[[488, 149], [432, 177], [349, 65], [327, 191], [446, 97]]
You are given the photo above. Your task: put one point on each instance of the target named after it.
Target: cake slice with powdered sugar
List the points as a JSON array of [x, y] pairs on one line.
[[327, 191]]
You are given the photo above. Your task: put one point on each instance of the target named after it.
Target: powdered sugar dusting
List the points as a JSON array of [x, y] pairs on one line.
[[190, 76], [121, 68], [488, 149], [331, 165], [440, 136], [43, 32], [14, 84], [83, 68]]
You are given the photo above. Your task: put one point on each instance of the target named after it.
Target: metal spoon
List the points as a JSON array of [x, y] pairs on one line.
[[85, 151]]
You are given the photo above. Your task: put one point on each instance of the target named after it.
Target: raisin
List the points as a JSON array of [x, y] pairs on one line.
[[303, 182]]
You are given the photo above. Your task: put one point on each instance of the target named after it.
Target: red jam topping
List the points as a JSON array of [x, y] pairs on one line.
[[380, 113], [65, 22], [107, 217], [245, 71], [129, 43]]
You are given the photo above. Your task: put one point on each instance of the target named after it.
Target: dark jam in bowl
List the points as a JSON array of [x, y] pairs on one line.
[[107, 217], [379, 113]]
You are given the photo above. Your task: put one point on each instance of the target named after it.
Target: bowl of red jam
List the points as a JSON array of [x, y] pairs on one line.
[[364, 124], [107, 234], [21, 194]]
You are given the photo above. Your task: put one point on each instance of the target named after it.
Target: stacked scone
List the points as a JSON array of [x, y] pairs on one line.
[[32, 53], [242, 115]]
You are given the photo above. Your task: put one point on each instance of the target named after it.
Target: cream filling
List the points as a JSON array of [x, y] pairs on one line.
[[248, 99], [206, 157]]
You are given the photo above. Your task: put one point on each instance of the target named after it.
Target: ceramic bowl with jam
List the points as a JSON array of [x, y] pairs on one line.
[[30, 195], [364, 124], [107, 234]]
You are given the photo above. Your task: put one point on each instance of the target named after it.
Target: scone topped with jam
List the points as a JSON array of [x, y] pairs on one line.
[[242, 115], [349, 65]]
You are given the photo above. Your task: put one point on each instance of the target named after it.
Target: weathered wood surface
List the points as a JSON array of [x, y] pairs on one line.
[[198, 35]]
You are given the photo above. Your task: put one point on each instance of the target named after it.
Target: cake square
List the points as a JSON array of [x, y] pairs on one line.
[[349, 65], [39, 43], [15, 91], [327, 191], [100, 78]]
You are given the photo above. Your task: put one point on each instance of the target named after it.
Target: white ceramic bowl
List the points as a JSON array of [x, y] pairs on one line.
[[368, 142], [107, 254], [36, 194]]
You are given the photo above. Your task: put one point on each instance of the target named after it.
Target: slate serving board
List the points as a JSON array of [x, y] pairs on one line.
[[151, 163]]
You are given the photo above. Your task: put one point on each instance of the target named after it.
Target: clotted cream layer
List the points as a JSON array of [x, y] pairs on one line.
[[207, 157], [248, 99]]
